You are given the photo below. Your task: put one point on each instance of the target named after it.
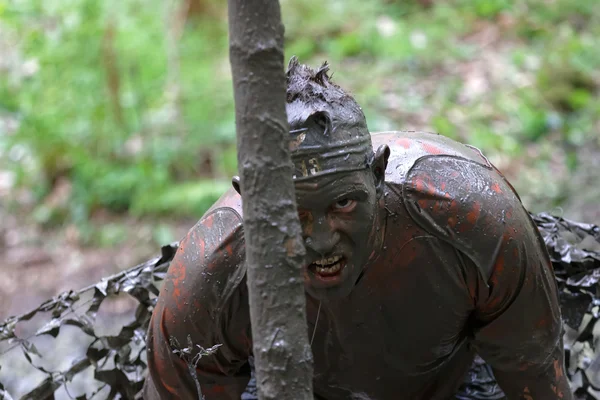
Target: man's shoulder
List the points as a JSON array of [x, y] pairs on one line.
[[407, 147], [221, 224], [229, 200], [210, 259], [453, 192], [211, 242]]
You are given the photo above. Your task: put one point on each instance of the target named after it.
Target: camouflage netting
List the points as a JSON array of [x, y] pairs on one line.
[[116, 363]]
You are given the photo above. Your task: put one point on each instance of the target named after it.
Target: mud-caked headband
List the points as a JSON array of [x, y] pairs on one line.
[[313, 161], [316, 152]]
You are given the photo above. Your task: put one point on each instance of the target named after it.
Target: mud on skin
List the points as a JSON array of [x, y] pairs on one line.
[[419, 256]]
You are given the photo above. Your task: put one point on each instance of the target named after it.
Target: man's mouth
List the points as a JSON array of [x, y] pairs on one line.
[[328, 267]]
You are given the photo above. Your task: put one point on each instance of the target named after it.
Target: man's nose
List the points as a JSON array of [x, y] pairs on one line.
[[323, 237]]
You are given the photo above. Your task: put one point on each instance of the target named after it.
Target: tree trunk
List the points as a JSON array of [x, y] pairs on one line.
[[274, 247]]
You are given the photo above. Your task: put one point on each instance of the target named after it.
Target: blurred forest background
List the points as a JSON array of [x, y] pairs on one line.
[[117, 118]]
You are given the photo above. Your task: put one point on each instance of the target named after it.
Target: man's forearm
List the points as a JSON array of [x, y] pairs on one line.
[[535, 384]]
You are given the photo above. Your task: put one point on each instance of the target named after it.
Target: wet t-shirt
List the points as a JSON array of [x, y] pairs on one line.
[[461, 270]]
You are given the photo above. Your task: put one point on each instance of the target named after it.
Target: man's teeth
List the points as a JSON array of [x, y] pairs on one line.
[[329, 270], [329, 265], [328, 261]]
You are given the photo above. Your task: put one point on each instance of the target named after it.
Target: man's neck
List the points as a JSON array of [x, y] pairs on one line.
[[379, 227]]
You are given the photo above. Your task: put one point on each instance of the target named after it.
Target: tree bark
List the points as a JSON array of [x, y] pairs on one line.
[[274, 247]]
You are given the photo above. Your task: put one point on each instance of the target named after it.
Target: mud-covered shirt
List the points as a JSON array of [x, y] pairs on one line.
[[461, 270]]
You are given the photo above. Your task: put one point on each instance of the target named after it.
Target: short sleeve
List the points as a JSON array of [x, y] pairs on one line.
[[516, 321], [204, 297]]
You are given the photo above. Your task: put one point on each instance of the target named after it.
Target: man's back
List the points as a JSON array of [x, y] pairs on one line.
[[460, 268]]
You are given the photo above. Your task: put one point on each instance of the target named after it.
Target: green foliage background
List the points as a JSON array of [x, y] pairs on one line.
[[130, 102]]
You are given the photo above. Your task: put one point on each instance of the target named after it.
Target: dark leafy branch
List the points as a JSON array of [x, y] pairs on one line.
[[191, 359]]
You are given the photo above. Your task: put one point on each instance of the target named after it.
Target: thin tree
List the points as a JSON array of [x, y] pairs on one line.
[[274, 247]]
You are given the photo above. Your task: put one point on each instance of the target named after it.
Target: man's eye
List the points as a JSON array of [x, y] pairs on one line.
[[344, 205], [304, 215]]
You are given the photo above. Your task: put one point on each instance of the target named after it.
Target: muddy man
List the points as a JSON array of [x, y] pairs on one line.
[[420, 257]]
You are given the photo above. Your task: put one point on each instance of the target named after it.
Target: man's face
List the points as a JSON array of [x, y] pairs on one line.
[[337, 213]]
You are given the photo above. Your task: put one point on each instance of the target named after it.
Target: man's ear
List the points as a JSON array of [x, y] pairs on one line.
[[235, 182], [379, 165]]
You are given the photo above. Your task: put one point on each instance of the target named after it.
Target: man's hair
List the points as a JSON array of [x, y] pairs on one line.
[[328, 129], [307, 84], [313, 90]]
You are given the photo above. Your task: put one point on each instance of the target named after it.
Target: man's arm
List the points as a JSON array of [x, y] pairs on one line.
[[518, 328], [548, 382], [204, 298], [516, 325]]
